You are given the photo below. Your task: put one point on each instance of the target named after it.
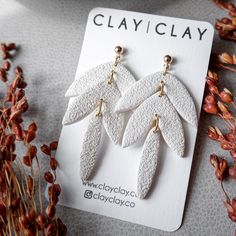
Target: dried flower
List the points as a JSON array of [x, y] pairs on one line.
[[220, 166], [45, 149], [49, 177], [231, 208], [226, 96], [20, 214], [226, 58]]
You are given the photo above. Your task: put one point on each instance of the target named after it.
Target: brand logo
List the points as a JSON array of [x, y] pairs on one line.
[[159, 28]]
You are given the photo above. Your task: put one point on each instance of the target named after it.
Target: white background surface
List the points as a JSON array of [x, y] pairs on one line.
[[118, 167]]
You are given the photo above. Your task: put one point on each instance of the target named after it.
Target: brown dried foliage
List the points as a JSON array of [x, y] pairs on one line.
[[21, 211]]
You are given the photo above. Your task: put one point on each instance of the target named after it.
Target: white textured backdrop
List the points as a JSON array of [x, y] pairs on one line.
[[50, 34]]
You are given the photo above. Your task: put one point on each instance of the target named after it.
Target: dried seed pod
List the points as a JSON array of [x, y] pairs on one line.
[[20, 94], [210, 99], [53, 145], [210, 108], [6, 65], [50, 211], [51, 230], [53, 163], [32, 127], [6, 55], [213, 89], [53, 198], [226, 96], [225, 58], [22, 84], [31, 215], [62, 230], [46, 150], [10, 139], [32, 151], [17, 130], [213, 76], [212, 134], [41, 220], [18, 70], [56, 188], [30, 185], [30, 136], [49, 177], [13, 157], [3, 75], [222, 107], [27, 161], [226, 145]]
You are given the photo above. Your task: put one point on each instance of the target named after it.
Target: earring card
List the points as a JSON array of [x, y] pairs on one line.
[[112, 190]]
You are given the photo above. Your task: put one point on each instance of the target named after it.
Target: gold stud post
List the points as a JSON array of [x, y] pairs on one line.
[[118, 50], [99, 113], [168, 60]]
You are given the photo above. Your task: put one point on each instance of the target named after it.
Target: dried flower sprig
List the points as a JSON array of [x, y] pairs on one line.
[[21, 209], [221, 103], [226, 27], [224, 61]]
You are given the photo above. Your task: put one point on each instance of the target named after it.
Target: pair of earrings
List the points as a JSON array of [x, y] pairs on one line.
[[108, 91]]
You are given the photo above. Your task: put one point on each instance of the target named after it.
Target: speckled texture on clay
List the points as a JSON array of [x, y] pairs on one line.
[[170, 124], [86, 93], [90, 147], [148, 163], [174, 89]]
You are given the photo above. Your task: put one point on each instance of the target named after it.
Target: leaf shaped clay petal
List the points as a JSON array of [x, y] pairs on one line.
[[139, 92], [170, 124], [89, 79], [174, 89], [79, 107], [90, 147], [180, 98], [148, 163], [113, 122], [123, 79]]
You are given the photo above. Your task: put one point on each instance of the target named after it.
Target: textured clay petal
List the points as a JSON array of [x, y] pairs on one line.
[[139, 92], [170, 124], [79, 107], [90, 147], [148, 163], [181, 99], [113, 122], [89, 79]]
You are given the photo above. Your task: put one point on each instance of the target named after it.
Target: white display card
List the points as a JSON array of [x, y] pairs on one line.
[[111, 191]]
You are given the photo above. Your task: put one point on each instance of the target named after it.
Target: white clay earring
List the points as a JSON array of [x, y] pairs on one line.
[[97, 92], [156, 99]]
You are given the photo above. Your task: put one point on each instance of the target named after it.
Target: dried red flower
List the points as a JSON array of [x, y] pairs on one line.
[[45, 149], [49, 177], [17, 216], [220, 166]]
